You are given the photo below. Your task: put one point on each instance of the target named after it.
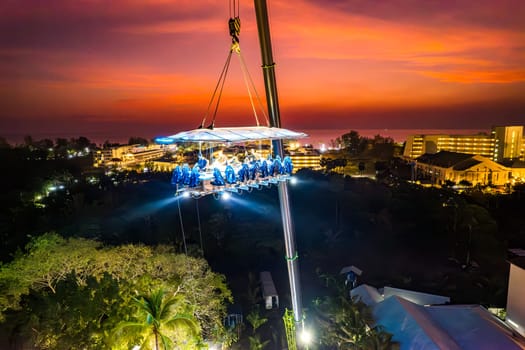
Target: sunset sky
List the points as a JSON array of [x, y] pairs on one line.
[[149, 67]]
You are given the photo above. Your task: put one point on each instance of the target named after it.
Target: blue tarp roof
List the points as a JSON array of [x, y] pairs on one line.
[[452, 327]]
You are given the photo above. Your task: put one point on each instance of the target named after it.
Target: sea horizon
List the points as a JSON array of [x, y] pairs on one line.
[[316, 137]]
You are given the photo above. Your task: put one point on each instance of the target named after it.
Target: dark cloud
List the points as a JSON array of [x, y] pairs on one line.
[[74, 25], [508, 14]]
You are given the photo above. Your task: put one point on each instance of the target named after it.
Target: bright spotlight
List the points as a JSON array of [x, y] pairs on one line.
[[293, 180], [226, 196], [186, 194], [305, 337]]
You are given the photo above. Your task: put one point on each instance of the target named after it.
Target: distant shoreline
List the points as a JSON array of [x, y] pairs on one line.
[[316, 137], [320, 136]]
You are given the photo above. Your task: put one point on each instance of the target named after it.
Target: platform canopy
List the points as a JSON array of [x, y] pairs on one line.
[[235, 134]]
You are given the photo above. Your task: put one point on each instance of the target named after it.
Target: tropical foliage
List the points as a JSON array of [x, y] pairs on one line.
[[157, 323], [256, 321], [72, 293], [347, 324]]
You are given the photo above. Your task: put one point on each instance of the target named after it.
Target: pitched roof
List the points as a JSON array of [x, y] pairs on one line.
[[444, 159], [513, 163], [371, 295], [466, 164], [416, 297]]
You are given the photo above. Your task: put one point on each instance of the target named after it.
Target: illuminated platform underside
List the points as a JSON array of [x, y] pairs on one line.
[[235, 134], [230, 176], [207, 188]]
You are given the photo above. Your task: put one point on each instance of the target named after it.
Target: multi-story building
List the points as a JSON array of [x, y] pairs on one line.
[[126, 155], [503, 143], [418, 145], [303, 157], [508, 143]]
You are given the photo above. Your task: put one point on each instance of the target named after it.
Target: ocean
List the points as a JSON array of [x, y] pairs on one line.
[[316, 137]]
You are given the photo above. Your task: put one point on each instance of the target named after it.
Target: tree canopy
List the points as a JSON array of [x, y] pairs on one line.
[[347, 323], [71, 293]]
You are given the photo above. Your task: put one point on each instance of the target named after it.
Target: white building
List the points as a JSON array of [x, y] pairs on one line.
[[423, 321], [516, 293], [271, 299]]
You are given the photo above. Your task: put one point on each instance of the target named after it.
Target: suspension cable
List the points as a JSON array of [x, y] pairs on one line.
[[234, 25], [234, 8], [199, 224], [222, 78], [246, 73], [220, 91], [182, 229]]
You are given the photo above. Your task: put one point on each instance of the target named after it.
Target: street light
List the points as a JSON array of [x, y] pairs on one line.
[[305, 337]]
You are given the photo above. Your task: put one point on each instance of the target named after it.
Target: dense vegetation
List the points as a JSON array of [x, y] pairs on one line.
[[77, 294]]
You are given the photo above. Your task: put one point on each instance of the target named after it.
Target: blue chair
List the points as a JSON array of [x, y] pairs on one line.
[[230, 174], [194, 176], [176, 176], [218, 180], [263, 169], [202, 163], [287, 164], [185, 174]]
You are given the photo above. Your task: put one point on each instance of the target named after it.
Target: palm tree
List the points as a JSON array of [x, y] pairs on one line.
[[156, 322], [256, 320], [345, 323]]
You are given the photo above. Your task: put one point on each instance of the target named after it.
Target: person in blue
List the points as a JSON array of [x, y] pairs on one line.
[[287, 164], [185, 180], [244, 172], [218, 180], [194, 176], [263, 169], [229, 174], [176, 176], [254, 169], [276, 167], [202, 162]]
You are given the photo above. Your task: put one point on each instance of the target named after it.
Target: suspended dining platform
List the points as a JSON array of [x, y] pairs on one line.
[[231, 174]]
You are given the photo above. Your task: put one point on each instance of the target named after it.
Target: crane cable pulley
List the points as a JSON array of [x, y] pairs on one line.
[[234, 26]]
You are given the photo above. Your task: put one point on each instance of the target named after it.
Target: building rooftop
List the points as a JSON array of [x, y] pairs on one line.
[[516, 257], [513, 163], [443, 327], [444, 159], [417, 325], [466, 164]]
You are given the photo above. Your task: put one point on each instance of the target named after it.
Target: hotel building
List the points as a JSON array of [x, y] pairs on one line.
[[508, 143], [126, 155], [303, 156], [503, 143]]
